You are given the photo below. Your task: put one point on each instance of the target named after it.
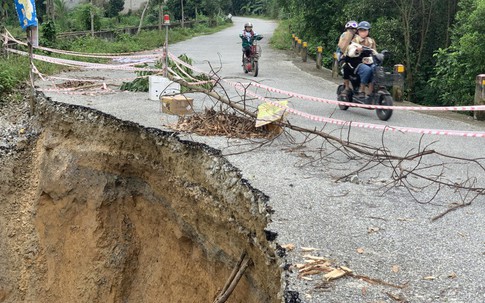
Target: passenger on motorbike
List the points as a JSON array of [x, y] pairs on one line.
[[363, 48], [248, 36], [344, 41]]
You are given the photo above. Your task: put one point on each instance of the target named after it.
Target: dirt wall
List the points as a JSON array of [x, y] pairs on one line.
[[95, 209]]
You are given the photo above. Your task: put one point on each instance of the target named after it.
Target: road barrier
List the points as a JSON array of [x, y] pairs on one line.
[[319, 57], [479, 107], [398, 83], [304, 51], [480, 96]]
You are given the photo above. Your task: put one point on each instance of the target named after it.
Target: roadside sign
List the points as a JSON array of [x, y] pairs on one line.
[[26, 13]]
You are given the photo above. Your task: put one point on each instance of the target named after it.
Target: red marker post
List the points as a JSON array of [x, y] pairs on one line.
[[166, 22]]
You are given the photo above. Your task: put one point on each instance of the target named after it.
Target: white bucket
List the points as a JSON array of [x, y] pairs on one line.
[[160, 86]]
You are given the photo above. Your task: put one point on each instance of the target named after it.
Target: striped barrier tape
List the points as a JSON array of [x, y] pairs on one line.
[[88, 65], [415, 108], [9, 37], [240, 86], [381, 127], [262, 86], [350, 104], [96, 93]]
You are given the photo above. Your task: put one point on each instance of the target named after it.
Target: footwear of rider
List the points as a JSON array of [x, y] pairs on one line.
[[361, 95]]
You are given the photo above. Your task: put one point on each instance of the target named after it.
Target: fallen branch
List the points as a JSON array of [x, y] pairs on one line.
[[234, 278], [375, 281]]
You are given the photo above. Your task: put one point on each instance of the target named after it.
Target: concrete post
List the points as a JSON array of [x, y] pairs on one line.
[[319, 57], [398, 82], [335, 66], [480, 97], [304, 52]]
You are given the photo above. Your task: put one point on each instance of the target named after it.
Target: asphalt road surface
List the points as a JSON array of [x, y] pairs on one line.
[[380, 231]]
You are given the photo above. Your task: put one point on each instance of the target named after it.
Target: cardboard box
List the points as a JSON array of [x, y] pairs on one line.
[[177, 105], [159, 86]]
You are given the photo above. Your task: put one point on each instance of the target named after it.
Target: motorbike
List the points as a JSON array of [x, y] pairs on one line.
[[251, 63], [380, 94]]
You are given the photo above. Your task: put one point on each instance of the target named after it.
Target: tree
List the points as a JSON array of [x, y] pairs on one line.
[[60, 14], [142, 16], [458, 65], [3, 17], [114, 7]]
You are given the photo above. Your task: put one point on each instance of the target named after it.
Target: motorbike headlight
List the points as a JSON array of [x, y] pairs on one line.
[[399, 68]]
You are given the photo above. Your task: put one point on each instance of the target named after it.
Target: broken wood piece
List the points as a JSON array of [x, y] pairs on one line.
[[335, 274], [307, 249], [234, 278]]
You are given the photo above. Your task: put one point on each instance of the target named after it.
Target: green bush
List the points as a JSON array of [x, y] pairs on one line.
[[7, 81], [15, 69], [281, 38], [12, 72], [81, 16]]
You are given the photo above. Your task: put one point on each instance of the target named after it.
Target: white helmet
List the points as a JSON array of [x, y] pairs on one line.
[[248, 24], [351, 24]]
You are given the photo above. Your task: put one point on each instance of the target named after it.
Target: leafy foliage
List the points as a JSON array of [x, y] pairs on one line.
[[15, 69], [458, 65], [82, 17], [49, 33], [140, 84], [413, 31], [114, 7], [61, 14]]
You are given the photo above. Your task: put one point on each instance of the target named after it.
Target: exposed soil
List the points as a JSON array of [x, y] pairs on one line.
[[94, 209]]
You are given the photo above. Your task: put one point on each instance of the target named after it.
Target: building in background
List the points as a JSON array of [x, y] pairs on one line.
[[129, 4]]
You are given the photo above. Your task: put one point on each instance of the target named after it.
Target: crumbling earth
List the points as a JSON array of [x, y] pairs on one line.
[[94, 209]]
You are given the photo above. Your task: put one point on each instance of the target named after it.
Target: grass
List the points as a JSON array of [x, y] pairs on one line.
[[281, 38], [14, 69]]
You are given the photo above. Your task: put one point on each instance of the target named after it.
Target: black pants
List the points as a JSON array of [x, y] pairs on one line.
[[247, 51], [349, 65]]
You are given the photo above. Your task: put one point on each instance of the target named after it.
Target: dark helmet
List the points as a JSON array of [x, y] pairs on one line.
[[351, 24], [364, 25]]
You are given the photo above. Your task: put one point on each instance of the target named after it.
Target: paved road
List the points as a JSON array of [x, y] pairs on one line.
[[377, 231]]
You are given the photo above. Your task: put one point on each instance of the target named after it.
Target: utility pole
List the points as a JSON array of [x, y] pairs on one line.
[[160, 14], [166, 22], [92, 18], [182, 20]]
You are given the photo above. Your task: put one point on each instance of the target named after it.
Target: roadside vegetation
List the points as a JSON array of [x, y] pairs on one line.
[[14, 69], [439, 42]]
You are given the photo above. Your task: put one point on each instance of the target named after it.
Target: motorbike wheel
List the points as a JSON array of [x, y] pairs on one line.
[[255, 67], [341, 98], [384, 114]]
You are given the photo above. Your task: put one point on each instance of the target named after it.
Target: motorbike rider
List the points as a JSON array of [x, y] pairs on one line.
[[365, 68], [248, 36], [344, 41]]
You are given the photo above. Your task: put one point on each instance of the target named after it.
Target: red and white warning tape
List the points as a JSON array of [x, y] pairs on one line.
[[155, 53], [88, 65], [244, 87], [311, 117], [414, 108], [335, 102]]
